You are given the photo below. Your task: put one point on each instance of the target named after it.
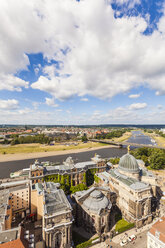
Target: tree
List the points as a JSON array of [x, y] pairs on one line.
[[84, 138]]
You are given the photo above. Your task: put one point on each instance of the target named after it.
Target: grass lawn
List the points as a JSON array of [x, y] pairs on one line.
[[123, 225], [31, 148]]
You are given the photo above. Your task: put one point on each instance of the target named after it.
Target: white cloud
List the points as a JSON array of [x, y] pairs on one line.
[[50, 102], [9, 104], [134, 96], [24, 111], [120, 115], [137, 106], [84, 99], [103, 56], [10, 82]]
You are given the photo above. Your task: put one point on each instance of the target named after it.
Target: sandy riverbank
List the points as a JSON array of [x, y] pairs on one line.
[[35, 155]]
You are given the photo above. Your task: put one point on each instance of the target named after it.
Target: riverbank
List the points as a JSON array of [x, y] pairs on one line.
[[33, 155], [159, 140]]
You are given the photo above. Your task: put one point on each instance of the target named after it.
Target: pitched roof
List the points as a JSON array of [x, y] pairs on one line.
[[18, 243], [13, 244], [158, 229]]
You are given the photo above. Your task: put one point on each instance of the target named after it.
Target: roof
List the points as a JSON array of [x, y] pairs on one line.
[[54, 199], [13, 244], [96, 201], [129, 181], [129, 163], [93, 200], [19, 241], [14, 183], [158, 229], [4, 199], [9, 235]]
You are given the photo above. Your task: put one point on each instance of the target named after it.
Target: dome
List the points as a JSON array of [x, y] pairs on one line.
[[96, 201], [128, 163]]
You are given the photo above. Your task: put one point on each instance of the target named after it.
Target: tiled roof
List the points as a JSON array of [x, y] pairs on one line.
[[159, 228], [18, 243], [13, 244]]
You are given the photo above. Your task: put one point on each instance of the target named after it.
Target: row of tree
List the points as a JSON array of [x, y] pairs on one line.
[[39, 138], [110, 135]]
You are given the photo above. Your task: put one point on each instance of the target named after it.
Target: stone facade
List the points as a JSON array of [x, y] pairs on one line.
[[57, 218], [133, 195], [92, 209], [77, 172]]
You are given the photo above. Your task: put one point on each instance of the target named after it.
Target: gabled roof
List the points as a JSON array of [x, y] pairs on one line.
[[158, 229]]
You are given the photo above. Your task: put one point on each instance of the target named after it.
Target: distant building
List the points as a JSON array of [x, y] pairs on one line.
[[156, 235]]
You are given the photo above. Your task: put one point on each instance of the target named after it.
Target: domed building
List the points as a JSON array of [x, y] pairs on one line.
[[128, 166], [93, 209], [134, 191]]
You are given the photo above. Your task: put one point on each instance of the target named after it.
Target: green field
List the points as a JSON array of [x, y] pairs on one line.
[[32, 148]]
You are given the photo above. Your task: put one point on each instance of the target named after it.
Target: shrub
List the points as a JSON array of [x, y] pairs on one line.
[[78, 187], [97, 179]]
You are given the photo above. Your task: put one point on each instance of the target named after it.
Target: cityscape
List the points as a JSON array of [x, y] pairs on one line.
[[82, 130]]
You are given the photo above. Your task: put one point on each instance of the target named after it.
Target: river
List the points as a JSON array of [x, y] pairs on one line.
[[11, 166], [137, 137]]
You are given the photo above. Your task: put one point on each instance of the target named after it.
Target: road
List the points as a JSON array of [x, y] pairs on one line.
[[7, 167]]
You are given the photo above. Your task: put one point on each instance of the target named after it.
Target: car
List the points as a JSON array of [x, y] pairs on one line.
[[132, 237], [123, 242]]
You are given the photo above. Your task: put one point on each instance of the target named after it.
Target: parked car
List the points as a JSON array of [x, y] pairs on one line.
[[132, 237], [123, 242]]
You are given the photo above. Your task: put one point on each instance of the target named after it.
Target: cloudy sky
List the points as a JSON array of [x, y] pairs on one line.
[[82, 62]]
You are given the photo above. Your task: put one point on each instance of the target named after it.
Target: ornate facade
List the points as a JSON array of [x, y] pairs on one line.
[[57, 218], [76, 171], [133, 194], [92, 209]]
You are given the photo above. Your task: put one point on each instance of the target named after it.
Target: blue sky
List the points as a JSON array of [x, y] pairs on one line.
[[82, 62]]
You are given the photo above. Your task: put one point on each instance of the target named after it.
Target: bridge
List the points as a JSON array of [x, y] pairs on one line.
[[121, 144]]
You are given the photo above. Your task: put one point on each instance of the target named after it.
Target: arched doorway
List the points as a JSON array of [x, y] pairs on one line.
[[58, 240]]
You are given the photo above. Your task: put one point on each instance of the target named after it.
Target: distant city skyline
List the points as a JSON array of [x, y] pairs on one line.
[[82, 62]]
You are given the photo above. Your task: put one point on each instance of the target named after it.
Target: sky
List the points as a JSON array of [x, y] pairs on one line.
[[82, 62]]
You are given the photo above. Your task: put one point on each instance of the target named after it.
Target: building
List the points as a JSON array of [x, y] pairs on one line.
[[20, 197], [76, 172], [156, 235], [57, 217], [5, 210], [37, 200], [92, 209], [134, 191], [50, 206], [15, 238]]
